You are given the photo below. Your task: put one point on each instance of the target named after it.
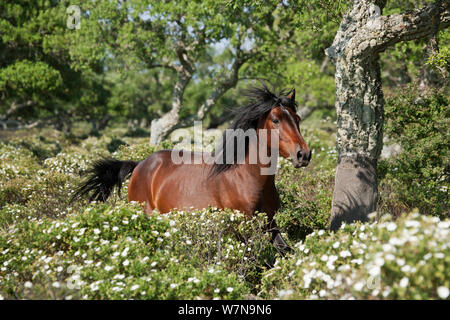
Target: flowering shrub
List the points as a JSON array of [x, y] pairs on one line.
[[16, 161], [405, 259], [112, 252], [52, 248]]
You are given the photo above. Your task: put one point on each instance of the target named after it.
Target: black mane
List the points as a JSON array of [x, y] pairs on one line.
[[260, 102]]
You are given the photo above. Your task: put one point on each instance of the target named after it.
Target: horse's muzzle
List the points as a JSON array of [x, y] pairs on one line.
[[301, 158]]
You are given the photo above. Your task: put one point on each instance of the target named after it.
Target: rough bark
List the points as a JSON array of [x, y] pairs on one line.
[[429, 77], [362, 35], [161, 127], [15, 107]]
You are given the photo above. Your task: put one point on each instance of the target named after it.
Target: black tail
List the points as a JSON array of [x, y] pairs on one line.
[[104, 175]]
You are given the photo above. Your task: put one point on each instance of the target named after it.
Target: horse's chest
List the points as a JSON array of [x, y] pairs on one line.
[[252, 198]]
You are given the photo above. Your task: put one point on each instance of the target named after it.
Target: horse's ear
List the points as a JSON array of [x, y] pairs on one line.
[[291, 94]]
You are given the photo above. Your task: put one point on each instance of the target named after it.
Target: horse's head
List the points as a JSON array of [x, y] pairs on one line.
[[291, 143]]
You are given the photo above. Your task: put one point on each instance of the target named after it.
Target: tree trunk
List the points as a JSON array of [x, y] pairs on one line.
[[103, 122], [429, 77], [160, 128], [362, 34], [359, 107]]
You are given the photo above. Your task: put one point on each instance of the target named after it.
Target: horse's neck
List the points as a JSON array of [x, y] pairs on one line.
[[258, 169]]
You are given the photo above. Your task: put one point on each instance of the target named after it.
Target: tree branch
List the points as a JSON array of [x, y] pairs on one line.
[[412, 25], [360, 35]]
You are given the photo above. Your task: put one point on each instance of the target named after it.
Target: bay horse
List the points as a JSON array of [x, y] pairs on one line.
[[164, 185]]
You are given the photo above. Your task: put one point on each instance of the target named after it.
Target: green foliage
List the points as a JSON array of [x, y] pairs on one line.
[[26, 77], [420, 173], [406, 259], [53, 249], [306, 194], [157, 257], [37, 79], [114, 144]]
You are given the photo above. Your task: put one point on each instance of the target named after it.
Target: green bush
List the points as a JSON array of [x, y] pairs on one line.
[[16, 161], [419, 175], [405, 259], [51, 248], [306, 193], [116, 252], [16, 190]]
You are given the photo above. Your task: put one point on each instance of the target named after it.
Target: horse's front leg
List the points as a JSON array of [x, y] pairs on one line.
[[277, 240]]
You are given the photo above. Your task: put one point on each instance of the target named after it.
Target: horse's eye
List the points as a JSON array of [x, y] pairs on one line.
[[275, 120]]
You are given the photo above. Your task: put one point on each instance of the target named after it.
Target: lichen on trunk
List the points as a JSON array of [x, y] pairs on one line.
[[362, 35]]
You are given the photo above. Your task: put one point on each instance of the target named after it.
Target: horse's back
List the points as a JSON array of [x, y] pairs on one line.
[[165, 184]]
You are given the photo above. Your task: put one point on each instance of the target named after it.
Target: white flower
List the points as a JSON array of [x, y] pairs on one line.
[[108, 268], [406, 268], [390, 257], [358, 286], [154, 263], [374, 271], [125, 252], [285, 293], [216, 290], [230, 289], [443, 292], [115, 228], [404, 282], [379, 261], [345, 253], [400, 262], [97, 231], [135, 287], [126, 263], [336, 244], [94, 286], [321, 232], [28, 284], [412, 224], [173, 285], [56, 284], [391, 226]]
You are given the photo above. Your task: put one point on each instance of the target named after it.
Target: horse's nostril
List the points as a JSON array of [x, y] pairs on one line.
[[299, 154]]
